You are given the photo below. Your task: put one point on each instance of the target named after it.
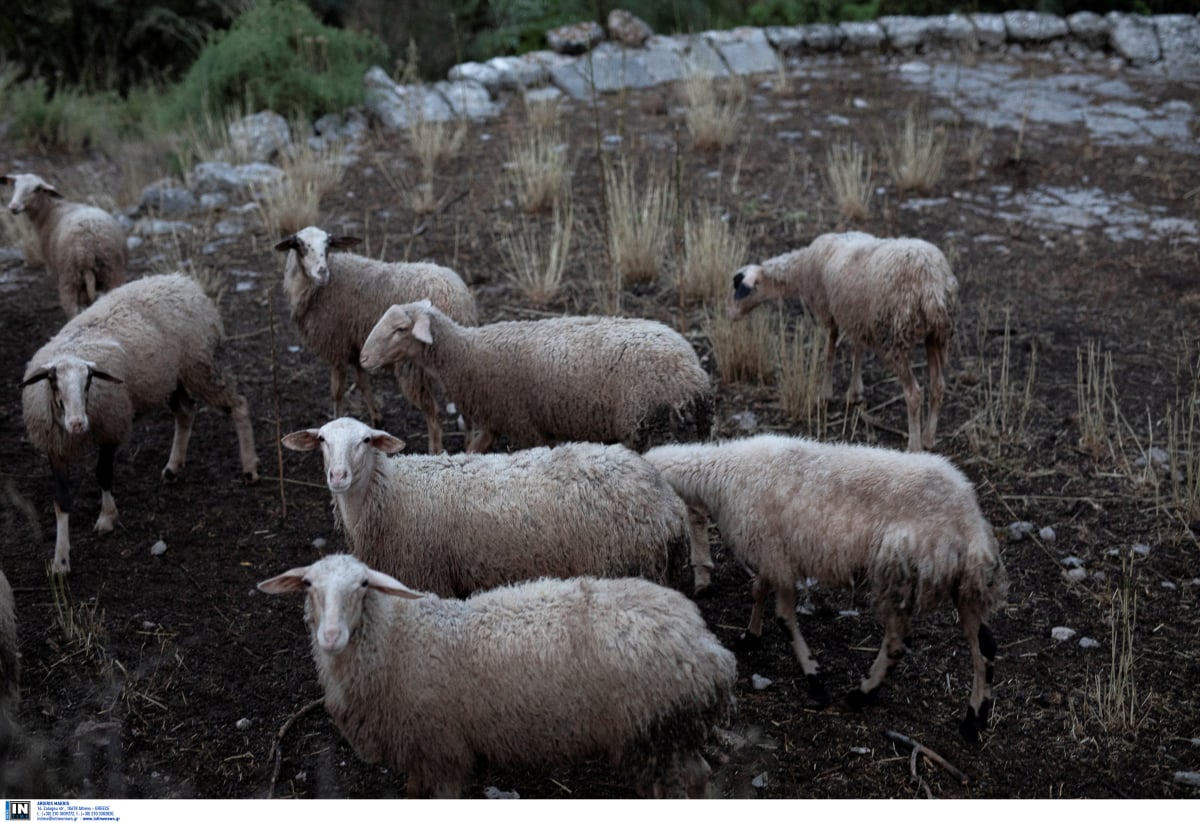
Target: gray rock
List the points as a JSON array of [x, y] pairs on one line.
[[484, 74], [702, 58], [543, 94], [952, 30], [1179, 39], [258, 138], [152, 227], [218, 176], [396, 106], [627, 28], [1090, 29], [468, 99], [905, 33], [1034, 26], [824, 37], [575, 38], [1134, 38], [745, 50], [865, 36], [990, 31], [520, 72], [166, 199], [788, 40]]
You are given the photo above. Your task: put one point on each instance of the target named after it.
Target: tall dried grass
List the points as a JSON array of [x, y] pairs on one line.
[[848, 175], [641, 219], [713, 109], [536, 264], [916, 154], [712, 252]]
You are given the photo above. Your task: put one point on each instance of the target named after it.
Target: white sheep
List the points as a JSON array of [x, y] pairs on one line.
[[890, 295], [603, 379], [456, 524], [149, 343], [537, 674], [83, 246], [908, 524], [336, 299]]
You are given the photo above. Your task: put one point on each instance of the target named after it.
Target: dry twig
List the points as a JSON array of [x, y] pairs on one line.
[[277, 749], [929, 753]]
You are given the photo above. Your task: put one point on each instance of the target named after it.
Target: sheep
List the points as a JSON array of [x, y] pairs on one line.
[[10, 666], [83, 246], [336, 299], [151, 342], [909, 524], [886, 294], [456, 524], [539, 673], [603, 379]]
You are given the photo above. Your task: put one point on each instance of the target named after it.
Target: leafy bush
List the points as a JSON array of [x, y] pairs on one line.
[[280, 57]]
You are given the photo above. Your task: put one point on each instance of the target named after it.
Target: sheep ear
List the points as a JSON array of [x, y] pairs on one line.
[[387, 443], [50, 190], [7, 179], [290, 581], [288, 243], [387, 584], [344, 242], [38, 376], [305, 440], [103, 375], [421, 329]]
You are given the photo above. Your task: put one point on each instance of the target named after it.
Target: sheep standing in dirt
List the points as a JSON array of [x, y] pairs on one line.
[[149, 343], [602, 379], [457, 524], [83, 246], [908, 524], [887, 294], [337, 298], [541, 673]]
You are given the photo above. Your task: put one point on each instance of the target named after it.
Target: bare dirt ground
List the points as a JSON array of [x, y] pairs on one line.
[[179, 674]]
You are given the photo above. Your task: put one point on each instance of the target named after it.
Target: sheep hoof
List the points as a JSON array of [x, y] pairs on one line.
[[249, 478], [816, 690], [747, 641], [104, 525], [169, 476], [972, 725], [858, 700]]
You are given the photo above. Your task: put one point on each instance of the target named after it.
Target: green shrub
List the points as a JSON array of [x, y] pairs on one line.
[[276, 56]]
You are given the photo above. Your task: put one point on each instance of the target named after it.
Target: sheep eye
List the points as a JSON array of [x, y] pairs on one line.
[[320, 438], [364, 584], [304, 581], [367, 439]]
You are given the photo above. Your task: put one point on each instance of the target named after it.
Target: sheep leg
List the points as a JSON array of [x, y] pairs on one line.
[[185, 412], [364, 385], [211, 385], [62, 514], [417, 388], [481, 442], [830, 357], [983, 656], [337, 390], [702, 562], [68, 295], [854, 394], [696, 774], [913, 398], [785, 610], [891, 650], [936, 354], [104, 477]]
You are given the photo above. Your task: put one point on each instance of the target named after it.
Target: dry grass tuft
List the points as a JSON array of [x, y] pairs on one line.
[[712, 252], [536, 265], [1005, 401], [1096, 395], [1114, 701], [801, 357], [294, 200], [917, 155], [80, 626], [539, 169], [714, 109], [16, 230], [848, 175], [745, 350], [641, 220]]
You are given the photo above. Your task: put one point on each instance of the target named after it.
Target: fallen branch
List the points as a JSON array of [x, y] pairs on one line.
[[276, 752], [929, 754]]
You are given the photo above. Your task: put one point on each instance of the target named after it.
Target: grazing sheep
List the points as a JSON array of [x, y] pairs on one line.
[[336, 299], [151, 342], [908, 524], [456, 524], [541, 673], [83, 246], [890, 295], [603, 379], [10, 666]]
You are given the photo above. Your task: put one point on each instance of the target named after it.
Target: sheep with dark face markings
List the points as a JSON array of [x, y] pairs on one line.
[[336, 298], [908, 524], [150, 343], [83, 246], [540, 673], [457, 524], [890, 295], [600, 379]]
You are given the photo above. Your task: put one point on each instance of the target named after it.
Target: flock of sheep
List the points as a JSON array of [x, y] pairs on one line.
[[517, 608]]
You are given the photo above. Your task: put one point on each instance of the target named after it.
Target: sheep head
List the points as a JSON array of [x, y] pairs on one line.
[[69, 380], [745, 294], [399, 334], [349, 448], [311, 246], [26, 187], [336, 585]]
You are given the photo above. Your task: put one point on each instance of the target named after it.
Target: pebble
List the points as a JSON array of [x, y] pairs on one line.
[[243, 724], [759, 781], [1088, 643], [319, 543], [158, 548], [1062, 633], [1047, 534], [1020, 529], [1077, 574], [1188, 778], [1072, 562], [493, 793], [759, 682]]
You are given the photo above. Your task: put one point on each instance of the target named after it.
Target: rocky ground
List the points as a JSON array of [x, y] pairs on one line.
[[1069, 210]]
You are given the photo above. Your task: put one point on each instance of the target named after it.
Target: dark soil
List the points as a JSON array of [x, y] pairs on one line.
[[182, 676]]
